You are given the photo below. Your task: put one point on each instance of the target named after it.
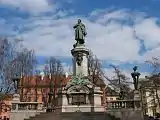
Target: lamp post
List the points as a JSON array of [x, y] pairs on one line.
[[50, 104], [16, 96], [16, 81], [50, 98], [135, 76], [137, 98]]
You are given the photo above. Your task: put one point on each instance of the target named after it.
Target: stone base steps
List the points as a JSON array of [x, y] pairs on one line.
[[74, 116], [21, 115]]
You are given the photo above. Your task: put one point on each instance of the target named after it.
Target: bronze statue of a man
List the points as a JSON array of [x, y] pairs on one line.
[[80, 33]]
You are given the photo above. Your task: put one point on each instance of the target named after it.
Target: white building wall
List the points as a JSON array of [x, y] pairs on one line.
[[150, 102]]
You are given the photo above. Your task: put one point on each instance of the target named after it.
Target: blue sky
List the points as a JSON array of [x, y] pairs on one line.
[[121, 32]]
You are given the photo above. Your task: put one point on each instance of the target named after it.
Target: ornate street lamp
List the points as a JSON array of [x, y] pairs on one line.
[[16, 81], [137, 98], [135, 75], [50, 104], [50, 99]]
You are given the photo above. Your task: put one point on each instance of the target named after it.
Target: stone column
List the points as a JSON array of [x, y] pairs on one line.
[[97, 96], [82, 53], [64, 100]]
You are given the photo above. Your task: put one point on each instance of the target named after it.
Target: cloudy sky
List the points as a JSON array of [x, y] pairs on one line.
[[121, 32]]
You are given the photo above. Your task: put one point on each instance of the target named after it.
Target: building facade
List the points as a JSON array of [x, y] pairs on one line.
[[150, 96], [36, 88], [5, 106]]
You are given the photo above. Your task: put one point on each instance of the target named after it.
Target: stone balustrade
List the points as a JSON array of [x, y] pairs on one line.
[[20, 106], [125, 109], [119, 104], [25, 110]]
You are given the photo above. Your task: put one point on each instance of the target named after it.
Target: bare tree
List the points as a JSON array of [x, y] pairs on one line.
[[95, 69], [55, 71], [155, 65], [6, 56], [119, 82], [24, 64], [13, 63]]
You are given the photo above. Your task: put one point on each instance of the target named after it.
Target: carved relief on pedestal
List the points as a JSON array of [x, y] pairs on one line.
[[79, 58]]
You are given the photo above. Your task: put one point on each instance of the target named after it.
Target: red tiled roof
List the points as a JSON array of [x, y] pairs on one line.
[[57, 80], [38, 80]]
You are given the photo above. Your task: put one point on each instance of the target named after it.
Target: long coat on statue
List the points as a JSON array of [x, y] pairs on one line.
[[80, 31]]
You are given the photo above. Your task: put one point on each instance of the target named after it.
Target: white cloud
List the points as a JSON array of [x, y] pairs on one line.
[[151, 53], [115, 15], [116, 42], [148, 31], [31, 6], [109, 35]]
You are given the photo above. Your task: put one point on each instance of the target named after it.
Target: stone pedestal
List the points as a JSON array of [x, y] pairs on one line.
[[137, 95], [16, 98], [137, 100], [78, 52], [78, 95], [65, 104], [98, 100], [97, 96]]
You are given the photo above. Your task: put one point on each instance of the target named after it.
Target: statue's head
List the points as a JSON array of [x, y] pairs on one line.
[[79, 20]]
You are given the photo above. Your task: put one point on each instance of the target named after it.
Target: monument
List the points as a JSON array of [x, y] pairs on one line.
[[80, 94]]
